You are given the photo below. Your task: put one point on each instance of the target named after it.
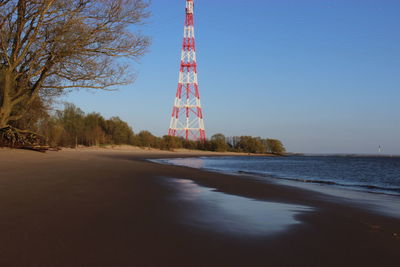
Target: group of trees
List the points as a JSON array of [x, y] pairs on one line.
[[50, 47], [218, 143], [251, 144], [71, 127]]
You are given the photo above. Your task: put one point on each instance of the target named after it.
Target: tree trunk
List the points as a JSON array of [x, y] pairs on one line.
[[5, 101], [4, 115]]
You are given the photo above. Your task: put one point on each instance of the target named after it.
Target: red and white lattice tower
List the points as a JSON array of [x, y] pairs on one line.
[[187, 116]]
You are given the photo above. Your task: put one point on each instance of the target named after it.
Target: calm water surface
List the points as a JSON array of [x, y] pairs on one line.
[[372, 183], [371, 174]]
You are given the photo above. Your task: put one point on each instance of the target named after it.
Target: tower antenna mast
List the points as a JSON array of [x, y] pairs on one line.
[[187, 115]]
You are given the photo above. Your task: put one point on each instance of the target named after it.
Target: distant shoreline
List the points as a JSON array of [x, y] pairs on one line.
[[130, 148], [148, 150]]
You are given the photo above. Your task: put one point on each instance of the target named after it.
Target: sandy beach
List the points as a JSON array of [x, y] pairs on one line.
[[104, 207]]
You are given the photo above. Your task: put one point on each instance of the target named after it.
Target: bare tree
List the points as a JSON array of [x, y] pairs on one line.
[[48, 47]]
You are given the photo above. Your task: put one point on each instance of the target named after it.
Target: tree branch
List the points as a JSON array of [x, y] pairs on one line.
[[86, 86], [35, 32]]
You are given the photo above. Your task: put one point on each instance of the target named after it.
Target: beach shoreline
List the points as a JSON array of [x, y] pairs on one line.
[[110, 207], [370, 197]]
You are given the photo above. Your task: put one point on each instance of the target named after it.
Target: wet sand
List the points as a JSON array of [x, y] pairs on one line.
[[114, 208]]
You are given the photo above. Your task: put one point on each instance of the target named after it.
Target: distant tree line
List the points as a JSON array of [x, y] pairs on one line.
[[71, 127], [218, 143]]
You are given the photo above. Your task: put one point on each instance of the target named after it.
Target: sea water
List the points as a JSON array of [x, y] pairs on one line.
[[370, 174], [372, 183]]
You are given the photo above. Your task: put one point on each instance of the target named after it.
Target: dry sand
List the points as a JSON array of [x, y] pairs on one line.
[[104, 207]]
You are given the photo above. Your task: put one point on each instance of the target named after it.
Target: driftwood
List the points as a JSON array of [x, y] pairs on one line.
[[16, 138]]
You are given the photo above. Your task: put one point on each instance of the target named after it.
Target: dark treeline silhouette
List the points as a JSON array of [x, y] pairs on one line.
[[71, 127]]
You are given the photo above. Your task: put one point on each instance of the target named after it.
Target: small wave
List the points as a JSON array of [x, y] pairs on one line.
[[373, 188], [199, 164]]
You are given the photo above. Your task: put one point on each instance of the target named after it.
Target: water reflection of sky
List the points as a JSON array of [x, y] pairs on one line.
[[188, 162], [220, 212]]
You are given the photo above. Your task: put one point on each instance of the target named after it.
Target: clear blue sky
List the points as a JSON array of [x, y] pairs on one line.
[[323, 76]]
